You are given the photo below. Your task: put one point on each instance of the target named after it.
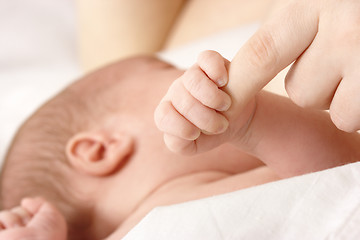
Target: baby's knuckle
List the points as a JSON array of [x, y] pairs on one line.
[[209, 125], [218, 72], [212, 63], [174, 88], [186, 106], [193, 83], [9, 218], [177, 147], [215, 124], [161, 115], [3, 214], [214, 102], [208, 54], [218, 103]]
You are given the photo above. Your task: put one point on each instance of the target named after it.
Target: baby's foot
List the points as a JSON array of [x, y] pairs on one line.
[[33, 219]]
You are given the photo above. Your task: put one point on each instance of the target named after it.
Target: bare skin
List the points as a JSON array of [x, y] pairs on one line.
[[196, 115], [171, 178], [135, 157], [119, 27], [33, 219], [321, 37]]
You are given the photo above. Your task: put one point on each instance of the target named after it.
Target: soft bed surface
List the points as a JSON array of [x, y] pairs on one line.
[[323, 205]]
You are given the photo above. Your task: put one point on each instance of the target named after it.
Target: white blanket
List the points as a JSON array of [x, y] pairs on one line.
[[324, 205], [37, 58]]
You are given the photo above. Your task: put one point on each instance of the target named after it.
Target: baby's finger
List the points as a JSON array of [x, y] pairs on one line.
[[179, 145], [168, 120], [10, 219], [23, 214], [214, 66], [205, 90], [201, 116]]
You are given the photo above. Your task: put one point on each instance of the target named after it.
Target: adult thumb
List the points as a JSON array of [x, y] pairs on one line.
[[280, 41]]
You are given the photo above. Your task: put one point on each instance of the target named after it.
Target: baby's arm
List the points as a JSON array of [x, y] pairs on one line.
[[289, 139], [114, 29], [292, 140]]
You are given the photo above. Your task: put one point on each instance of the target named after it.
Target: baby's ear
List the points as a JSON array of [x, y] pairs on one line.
[[99, 153]]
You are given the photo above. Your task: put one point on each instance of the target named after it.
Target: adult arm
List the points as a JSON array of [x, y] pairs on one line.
[[114, 29]]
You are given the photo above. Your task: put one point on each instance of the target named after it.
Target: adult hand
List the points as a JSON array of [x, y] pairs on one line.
[[323, 38]]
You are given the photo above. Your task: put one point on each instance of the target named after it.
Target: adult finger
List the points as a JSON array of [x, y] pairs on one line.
[[344, 108], [312, 80], [273, 47]]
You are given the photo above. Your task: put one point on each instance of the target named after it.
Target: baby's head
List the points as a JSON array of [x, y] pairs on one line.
[[73, 149], [95, 153]]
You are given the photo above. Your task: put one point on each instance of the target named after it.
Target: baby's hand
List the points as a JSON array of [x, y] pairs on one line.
[[33, 219], [194, 104]]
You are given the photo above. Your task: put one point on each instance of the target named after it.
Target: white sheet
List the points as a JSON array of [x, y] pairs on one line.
[[316, 206], [37, 58]]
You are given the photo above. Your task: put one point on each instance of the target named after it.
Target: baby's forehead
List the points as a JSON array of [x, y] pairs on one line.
[[142, 64], [127, 83], [140, 68]]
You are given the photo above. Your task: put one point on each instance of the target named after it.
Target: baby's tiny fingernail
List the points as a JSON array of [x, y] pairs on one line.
[[224, 106], [223, 127], [222, 82], [26, 220]]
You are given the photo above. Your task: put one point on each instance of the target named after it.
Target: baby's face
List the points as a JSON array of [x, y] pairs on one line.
[[134, 89]]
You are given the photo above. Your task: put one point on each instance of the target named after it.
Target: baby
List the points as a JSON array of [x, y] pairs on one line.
[[96, 159]]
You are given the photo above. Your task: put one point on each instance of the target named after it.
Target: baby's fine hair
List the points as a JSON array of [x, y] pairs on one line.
[[36, 160]]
